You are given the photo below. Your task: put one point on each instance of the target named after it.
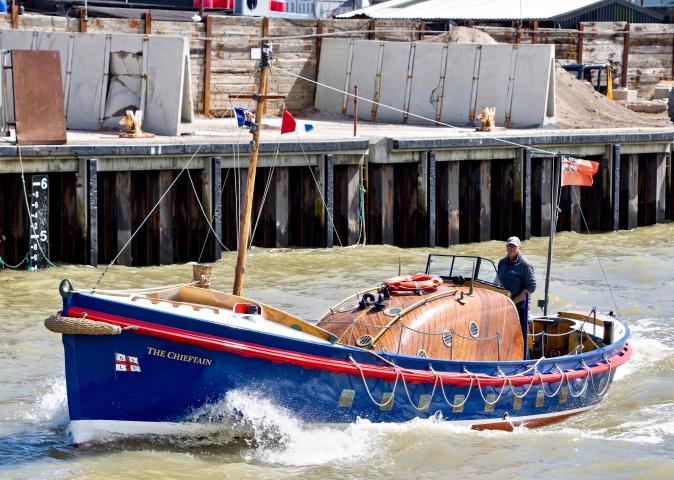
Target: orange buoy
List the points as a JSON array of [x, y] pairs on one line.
[[411, 283]]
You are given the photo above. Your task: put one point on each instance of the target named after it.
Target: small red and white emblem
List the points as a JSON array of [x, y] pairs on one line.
[[126, 363]]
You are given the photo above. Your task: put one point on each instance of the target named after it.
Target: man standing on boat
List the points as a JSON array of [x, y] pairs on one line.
[[517, 276]]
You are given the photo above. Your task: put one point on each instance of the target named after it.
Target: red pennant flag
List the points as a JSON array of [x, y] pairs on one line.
[[288, 123], [578, 172]]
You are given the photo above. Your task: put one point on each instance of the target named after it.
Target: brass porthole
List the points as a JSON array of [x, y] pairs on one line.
[[473, 329], [364, 341], [447, 338]]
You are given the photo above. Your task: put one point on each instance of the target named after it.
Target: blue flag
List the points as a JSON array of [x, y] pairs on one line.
[[244, 118]]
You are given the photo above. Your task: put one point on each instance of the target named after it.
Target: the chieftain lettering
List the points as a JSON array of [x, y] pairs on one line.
[[179, 356]]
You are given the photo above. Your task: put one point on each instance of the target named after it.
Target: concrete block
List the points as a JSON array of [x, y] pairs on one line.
[[531, 86], [334, 65], [460, 68], [393, 84], [661, 92], [620, 94], [426, 80], [364, 64], [645, 106]]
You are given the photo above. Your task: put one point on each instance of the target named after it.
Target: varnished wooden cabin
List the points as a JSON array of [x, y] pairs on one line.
[[468, 316]]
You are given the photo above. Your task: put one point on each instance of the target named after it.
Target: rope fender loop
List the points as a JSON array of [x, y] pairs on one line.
[[80, 326]]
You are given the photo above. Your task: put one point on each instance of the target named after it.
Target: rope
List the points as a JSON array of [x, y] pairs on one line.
[[421, 117], [217, 202], [318, 188], [33, 228], [479, 387], [144, 220], [266, 189], [4, 264], [442, 389], [568, 384], [137, 290], [601, 267], [367, 389], [608, 380], [203, 212]]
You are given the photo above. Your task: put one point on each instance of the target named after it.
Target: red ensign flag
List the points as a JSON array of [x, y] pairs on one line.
[[578, 172], [287, 123]]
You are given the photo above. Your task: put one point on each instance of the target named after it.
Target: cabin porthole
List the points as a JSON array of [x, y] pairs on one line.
[[422, 353], [473, 329], [364, 341], [393, 311], [447, 338]]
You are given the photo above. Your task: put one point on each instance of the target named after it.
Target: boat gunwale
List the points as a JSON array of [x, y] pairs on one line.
[[593, 357]]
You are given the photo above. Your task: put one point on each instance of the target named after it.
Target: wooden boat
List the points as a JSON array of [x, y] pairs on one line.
[[446, 343]]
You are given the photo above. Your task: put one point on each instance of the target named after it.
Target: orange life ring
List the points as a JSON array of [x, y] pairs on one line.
[[411, 283]]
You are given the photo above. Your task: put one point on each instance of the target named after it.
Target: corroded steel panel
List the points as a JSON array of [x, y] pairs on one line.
[[38, 97]]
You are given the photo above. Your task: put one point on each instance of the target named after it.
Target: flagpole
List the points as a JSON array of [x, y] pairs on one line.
[[554, 187], [252, 167]]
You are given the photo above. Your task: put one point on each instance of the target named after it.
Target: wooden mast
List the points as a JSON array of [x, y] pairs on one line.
[[554, 205], [252, 167]]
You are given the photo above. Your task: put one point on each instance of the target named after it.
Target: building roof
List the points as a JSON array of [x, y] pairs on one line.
[[483, 9]]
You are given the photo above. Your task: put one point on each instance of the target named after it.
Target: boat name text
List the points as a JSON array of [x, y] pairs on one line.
[[179, 356]]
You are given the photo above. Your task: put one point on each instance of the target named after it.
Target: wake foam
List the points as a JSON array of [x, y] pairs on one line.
[[50, 407]]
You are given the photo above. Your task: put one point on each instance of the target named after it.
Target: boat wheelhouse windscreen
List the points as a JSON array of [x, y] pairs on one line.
[[457, 267]]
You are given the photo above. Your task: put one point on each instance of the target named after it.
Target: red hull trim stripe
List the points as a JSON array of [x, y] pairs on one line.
[[309, 361]]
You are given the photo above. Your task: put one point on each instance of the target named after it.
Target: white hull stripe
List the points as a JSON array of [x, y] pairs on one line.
[[85, 431]]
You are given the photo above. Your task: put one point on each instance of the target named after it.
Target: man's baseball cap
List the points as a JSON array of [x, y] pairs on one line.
[[513, 241]]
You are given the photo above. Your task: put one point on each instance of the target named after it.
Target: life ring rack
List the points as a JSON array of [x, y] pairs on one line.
[[421, 282]]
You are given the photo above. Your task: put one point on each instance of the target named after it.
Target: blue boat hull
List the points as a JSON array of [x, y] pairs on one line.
[[178, 378]]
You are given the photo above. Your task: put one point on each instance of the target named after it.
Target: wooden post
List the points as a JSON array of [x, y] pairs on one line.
[[371, 34], [430, 196], [660, 187], [329, 194], [615, 188], [319, 41], [15, 15], [83, 20], [422, 29], [452, 202], [201, 8], [252, 168], [581, 40], [123, 215], [282, 205], [626, 55], [534, 27], [545, 202], [518, 34], [92, 209], [351, 202], [207, 66], [522, 193], [165, 218], [355, 111], [82, 202], [485, 200], [216, 195], [147, 16], [629, 192]]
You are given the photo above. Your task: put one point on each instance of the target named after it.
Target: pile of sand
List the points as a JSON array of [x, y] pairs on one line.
[[462, 35], [577, 104]]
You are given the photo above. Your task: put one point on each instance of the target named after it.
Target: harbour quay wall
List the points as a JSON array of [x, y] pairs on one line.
[[409, 192]]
